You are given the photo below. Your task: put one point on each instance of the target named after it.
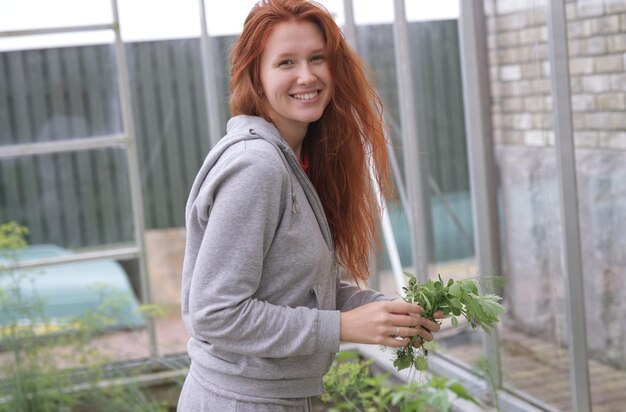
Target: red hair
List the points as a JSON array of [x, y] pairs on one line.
[[339, 144]]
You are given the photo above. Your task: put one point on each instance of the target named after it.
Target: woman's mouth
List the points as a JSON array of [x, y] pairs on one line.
[[305, 96]]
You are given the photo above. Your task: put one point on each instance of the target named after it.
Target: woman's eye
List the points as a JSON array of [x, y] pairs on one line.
[[318, 58], [286, 63]]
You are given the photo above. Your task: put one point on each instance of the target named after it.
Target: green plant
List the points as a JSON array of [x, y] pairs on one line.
[[453, 299], [31, 381], [350, 386], [433, 395], [486, 370], [51, 366]]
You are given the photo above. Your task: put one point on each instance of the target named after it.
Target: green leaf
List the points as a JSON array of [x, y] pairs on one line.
[[341, 356], [455, 303], [439, 400], [409, 275], [454, 322], [461, 392], [397, 397], [420, 363], [472, 287], [456, 291], [437, 382], [402, 363], [426, 301]]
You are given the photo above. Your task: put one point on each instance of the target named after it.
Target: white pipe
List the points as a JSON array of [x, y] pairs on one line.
[[390, 241]]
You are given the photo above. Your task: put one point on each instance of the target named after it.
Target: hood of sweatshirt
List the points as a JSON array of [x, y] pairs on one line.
[[243, 127]]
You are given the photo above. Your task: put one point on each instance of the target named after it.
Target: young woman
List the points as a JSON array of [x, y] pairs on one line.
[[281, 206]]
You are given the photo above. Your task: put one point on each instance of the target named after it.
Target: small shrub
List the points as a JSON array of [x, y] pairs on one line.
[[47, 366], [350, 386]]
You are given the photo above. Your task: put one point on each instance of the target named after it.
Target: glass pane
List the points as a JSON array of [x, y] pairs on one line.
[[60, 317], [226, 18], [369, 12], [441, 10], [74, 201], [375, 46], [164, 260], [597, 43], [67, 315], [440, 121], [168, 19], [58, 94], [170, 121], [439, 113], [40, 14], [533, 338]]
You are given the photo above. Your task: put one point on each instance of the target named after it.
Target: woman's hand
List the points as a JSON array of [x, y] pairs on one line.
[[429, 326], [388, 323]]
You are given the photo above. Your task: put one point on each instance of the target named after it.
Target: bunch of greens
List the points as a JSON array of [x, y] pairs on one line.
[[453, 299]]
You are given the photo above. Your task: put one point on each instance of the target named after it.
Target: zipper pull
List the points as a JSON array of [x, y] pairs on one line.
[[295, 209]]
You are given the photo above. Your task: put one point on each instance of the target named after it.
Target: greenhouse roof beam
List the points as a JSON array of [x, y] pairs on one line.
[[63, 146], [57, 30], [117, 253]]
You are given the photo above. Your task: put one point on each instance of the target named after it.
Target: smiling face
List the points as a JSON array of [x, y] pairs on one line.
[[295, 78]]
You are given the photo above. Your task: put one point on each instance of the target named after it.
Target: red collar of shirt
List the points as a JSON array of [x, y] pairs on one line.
[[305, 163]]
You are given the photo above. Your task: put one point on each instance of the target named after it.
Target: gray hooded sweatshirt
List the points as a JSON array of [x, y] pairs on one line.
[[261, 291]]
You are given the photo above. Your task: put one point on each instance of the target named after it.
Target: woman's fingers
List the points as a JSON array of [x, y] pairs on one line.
[[425, 334], [430, 325], [417, 326], [404, 332], [411, 320], [395, 342], [402, 307], [410, 332]]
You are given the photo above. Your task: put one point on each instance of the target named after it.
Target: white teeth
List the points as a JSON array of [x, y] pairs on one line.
[[307, 96]]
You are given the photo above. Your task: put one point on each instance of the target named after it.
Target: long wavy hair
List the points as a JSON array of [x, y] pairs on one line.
[[341, 144]]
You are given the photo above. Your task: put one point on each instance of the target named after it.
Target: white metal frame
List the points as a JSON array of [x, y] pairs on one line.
[[209, 77], [412, 145], [477, 108], [63, 146], [566, 167]]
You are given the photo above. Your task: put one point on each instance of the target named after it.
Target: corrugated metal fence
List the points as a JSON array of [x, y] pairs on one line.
[[82, 199]]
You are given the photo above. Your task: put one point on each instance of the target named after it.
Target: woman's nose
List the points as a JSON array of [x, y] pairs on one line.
[[306, 75]]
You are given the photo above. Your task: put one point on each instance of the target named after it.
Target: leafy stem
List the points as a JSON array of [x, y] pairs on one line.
[[453, 299]]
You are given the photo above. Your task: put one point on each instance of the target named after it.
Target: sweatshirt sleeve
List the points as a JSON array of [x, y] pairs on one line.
[[350, 296], [230, 227]]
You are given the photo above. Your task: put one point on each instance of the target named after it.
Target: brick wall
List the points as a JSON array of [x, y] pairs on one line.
[[520, 68], [527, 170]]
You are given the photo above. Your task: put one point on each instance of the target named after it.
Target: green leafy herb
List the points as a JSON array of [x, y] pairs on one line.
[[454, 299]]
